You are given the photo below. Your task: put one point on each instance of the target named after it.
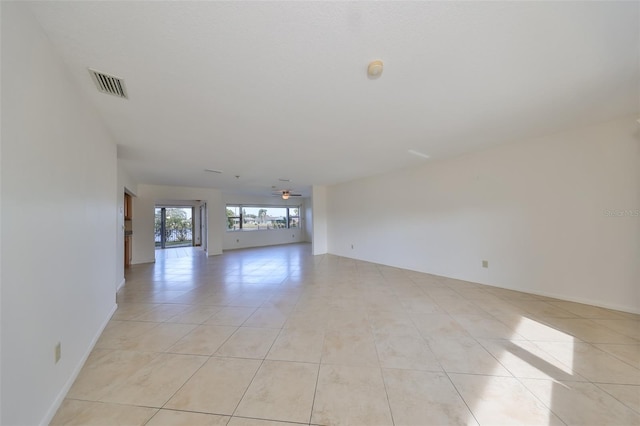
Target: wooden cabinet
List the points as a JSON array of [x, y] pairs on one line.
[[128, 207], [127, 251]]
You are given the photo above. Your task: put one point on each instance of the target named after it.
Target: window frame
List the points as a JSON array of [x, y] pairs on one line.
[[240, 219]]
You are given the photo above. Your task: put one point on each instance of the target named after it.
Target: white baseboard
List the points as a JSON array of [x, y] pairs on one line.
[[615, 307], [141, 261], [121, 284], [74, 375], [563, 297]]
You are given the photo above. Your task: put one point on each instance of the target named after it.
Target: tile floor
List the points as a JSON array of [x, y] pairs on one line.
[[275, 336]]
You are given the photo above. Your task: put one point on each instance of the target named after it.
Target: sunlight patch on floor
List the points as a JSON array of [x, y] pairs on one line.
[[525, 359], [553, 335]]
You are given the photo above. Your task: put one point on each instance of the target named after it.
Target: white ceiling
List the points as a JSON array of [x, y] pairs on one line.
[[269, 90]]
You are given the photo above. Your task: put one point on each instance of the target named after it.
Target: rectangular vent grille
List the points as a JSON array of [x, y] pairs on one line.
[[109, 84]]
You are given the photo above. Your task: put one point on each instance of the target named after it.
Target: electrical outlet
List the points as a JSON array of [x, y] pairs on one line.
[[293, 235], [58, 352], [237, 241], [485, 263], [351, 246]]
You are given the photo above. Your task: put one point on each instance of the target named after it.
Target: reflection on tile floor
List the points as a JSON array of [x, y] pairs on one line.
[[275, 336]]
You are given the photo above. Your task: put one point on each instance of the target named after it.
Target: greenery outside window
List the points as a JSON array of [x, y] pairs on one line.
[[258, 218], [294, 217]]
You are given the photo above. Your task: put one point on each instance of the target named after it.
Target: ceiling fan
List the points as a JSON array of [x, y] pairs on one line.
[[285, 194]]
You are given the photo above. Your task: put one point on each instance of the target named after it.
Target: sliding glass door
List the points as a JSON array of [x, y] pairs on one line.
[[174, 227]]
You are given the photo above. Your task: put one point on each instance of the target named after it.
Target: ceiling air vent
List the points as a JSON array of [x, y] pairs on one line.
[[109, 84]]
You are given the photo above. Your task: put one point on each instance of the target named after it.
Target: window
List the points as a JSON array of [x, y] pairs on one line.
[[258, 218], [294, 217], [233, 218]]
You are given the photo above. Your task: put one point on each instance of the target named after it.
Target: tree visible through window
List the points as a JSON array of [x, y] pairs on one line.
[[256, 218], [173, 226]]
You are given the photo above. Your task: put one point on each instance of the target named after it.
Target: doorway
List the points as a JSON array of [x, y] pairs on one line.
[[173, 227]]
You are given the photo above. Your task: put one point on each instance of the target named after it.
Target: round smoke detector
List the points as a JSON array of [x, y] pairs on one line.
[[374, 70]]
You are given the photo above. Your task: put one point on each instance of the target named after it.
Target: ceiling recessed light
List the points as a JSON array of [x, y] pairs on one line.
[[284, 180], [213, 171], [419, 154]]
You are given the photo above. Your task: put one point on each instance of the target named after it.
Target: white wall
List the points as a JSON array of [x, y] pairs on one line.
[[143, 241], [535, 210], [59, 223], [320, 219], [244, 239]]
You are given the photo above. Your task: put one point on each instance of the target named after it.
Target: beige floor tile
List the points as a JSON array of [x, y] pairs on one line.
[[350, 395], [421, 397], [296, 310], [532, 329], [507, 294], [195, 314], [391, 323], [421, 305], [502, 401], [155, 383], [456, 305], [74, 412], [627, 353], [590, 331], [308, 319], [267, 318], [592, 363], [249, 342], [241, 421], [217, 387], [284, 306], [354, 320], [543, 309], [298, 345], [248, 300], [186, 418], [525, 359], [387, 303], [629, 395], [587, 311], [629, 327], [283, 298], [106, 369], [439, 326], [505, 312], [407, 351], [346, 301], [582, 403], [439, 292], [163, 312], [466, 356], [281, 391], [203, 340], [118, 332], [486, 328], [349, 347], [158, 338], [231, 315], [128, 311], [168, 296], [218, 300]]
